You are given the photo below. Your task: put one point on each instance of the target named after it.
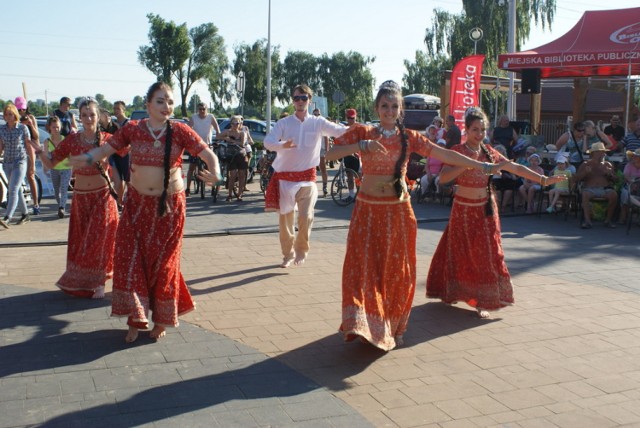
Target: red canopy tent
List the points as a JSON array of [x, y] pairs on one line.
[[602, 43]]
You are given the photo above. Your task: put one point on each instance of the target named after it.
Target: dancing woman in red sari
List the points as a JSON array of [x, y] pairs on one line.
[[379, 272], [94, 214], [468, 264], [149, 241]]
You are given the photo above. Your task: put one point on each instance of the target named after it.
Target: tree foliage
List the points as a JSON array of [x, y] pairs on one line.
[[301, 67], [350, 74], [207, 59], [168, 50], [424, 76], [252, 60], [449, 33]]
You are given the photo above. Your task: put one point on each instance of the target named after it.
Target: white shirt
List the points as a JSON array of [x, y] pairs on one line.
[[307, 136], [203, 127]]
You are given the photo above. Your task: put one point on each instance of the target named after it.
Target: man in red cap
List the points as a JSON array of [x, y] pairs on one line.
[[352, 162]]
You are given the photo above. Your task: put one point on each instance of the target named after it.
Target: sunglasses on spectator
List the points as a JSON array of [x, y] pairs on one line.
[[300, 98], [236, 123], [351, 118], [580, 130], [201, 108]]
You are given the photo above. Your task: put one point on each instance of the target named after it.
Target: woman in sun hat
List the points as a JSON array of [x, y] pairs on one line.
[[631, 183]]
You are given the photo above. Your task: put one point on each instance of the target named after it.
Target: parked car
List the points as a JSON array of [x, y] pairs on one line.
[[139, 114], [257, 128]]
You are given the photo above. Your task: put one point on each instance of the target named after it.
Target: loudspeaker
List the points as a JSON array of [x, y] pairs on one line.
[[530, 83]]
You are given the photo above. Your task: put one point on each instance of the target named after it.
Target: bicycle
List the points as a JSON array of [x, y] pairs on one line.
[[266, 171], [340, 185]]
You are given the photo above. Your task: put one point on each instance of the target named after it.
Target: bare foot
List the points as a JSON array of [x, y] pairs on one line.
[[286, 262], [299, 261], [157, 332], [483, 314], [99, 293], [132, 335]]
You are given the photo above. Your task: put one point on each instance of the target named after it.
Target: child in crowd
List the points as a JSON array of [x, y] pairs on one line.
[[529, 188], [561, 188], [432, 170]]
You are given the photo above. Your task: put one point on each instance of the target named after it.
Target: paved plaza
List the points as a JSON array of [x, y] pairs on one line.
[[262, 348]]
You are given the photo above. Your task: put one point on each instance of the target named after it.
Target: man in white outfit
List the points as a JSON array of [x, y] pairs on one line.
[[203, 123], [296, 139]]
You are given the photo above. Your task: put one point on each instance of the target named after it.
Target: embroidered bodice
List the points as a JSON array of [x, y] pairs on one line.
[[74, 145], [385, 164], [136, 135], [475, 177]]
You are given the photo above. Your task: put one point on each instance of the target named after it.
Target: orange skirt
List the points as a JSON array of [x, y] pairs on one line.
[[468, 265], [379, 272], [147, 262], [92, 233]]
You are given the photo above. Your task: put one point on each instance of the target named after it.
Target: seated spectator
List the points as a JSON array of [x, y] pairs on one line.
[[438, 122], [561, 188], [614, 129], [453, 135], [523, 157], [505, 182], [594, 135], [598, 178], [529, 188], [432, 170], [505, 134], [432, 133], [631, 141], [631, 183]]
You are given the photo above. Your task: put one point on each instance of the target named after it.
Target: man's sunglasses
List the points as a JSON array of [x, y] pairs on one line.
[[300, 98]]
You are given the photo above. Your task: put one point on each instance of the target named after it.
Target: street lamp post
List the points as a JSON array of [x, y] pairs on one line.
[[240, 86], [475, 35], [268, 110], [511, 47]]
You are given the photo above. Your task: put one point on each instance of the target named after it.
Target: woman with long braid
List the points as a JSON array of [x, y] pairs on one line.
[[379, 272], [468, 265], [149, 241], [94, 214]]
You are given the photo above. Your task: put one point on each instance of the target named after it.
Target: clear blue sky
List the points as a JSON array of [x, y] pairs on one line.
[[83, 48]]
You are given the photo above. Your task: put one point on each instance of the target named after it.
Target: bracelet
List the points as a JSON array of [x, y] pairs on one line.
[[364, 145], [89, 158], [486, 168], [543, 180]]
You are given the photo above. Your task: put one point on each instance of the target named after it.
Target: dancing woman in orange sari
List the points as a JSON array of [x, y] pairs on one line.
[[379, 272], [94, 213], [147, 273], [468, 265]]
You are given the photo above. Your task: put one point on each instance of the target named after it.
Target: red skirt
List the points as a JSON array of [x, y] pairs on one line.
[[147, 262], [468, 264], [92, 233], [379, 272]]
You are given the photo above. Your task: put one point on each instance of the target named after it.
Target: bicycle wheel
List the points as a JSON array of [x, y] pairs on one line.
[[201, 183], [340, 188]]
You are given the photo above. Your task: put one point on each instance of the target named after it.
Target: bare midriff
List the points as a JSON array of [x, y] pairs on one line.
[[471, 192], [88, 183], [378, 185], [149, 180]]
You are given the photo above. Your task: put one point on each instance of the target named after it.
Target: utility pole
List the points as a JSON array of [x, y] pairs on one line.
[[511, 47]]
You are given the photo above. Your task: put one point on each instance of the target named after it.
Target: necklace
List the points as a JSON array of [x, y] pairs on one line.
[[387, 132], [476, 151], [91, 140], [156, 137]]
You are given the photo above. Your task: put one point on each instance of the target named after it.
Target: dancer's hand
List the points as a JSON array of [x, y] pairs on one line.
[[289, 144], [210, 177]]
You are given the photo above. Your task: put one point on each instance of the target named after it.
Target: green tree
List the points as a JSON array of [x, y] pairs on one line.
[[168, 50], [137, 103], [449, 33], [219, 85], [207, 58], [300, 67], [252, 60], [424, 76], [350, 74]]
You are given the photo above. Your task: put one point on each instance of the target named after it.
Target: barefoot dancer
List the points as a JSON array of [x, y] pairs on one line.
[[94, 213], [468, 265], [148, 244], [379, 272]]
